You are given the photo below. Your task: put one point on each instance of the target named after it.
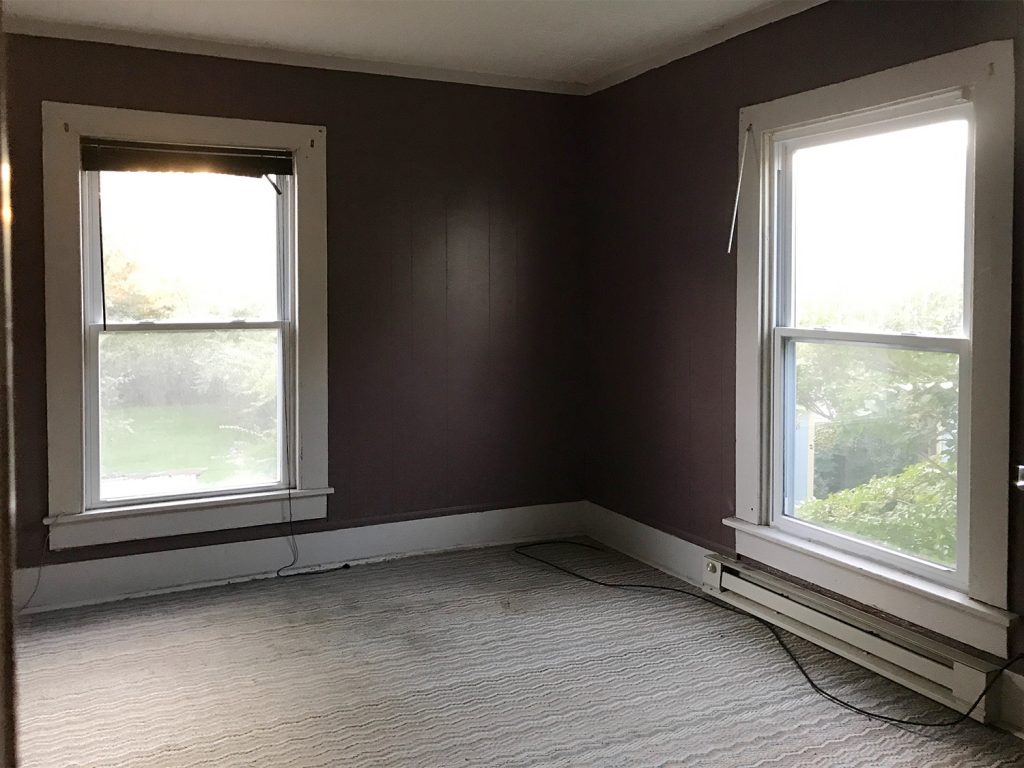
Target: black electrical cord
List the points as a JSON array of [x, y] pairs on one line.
[[521, 550], [39, 573], [293, 545]]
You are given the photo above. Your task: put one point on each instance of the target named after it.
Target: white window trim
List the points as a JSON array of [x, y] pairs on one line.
[[984, 75], [71, 523]]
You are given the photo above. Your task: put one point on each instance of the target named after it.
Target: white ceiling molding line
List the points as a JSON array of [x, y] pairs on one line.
[[22, 25], [19, 25], [701, 41]]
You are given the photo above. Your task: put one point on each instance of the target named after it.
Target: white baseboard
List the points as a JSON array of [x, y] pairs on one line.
[[116, 578], [658, 549]]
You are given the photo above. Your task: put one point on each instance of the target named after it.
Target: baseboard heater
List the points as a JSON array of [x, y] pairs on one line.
[[931, 668]]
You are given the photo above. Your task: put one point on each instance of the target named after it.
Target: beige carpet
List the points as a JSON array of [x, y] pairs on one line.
[[467, 659]]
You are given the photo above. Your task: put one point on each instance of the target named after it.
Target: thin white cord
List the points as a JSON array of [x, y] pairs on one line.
[[739, 185]]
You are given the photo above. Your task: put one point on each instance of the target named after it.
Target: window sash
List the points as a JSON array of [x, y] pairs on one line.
[[782, 404], [93, 315], [947, 106], [234, 325], [914, 341], [92, 431], [780, 377]]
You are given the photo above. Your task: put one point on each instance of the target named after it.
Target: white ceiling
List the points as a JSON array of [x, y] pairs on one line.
[[574, 46]]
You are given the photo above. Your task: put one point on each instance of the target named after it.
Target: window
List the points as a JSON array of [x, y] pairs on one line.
[[188, 304], [869, 332], [873, 337], [188, 394]]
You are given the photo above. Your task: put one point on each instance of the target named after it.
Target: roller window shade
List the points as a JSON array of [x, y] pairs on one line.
[[110, 155]]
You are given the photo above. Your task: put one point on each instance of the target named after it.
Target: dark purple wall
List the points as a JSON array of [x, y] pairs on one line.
[[454, 293], [660, 286]]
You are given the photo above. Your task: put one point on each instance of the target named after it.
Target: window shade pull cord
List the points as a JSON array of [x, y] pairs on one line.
[[103, 271], [273, 184], [739, 186]]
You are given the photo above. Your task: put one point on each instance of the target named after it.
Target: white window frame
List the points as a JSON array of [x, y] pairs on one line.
[[77, 517], [966, 604]]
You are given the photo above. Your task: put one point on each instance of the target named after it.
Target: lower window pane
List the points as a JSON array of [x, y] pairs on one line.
[[873, 446], [184, 412]]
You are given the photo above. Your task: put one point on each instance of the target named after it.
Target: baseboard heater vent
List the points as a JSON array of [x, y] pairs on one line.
[[936, 670]]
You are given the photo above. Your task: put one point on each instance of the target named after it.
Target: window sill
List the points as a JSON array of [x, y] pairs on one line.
[[911, 598], [174, 518]]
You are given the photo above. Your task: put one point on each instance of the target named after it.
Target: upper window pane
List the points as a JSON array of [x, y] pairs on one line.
[[878, 231], [188, 247]]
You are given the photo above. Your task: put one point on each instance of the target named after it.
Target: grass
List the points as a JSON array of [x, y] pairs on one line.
[[139, 440]]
